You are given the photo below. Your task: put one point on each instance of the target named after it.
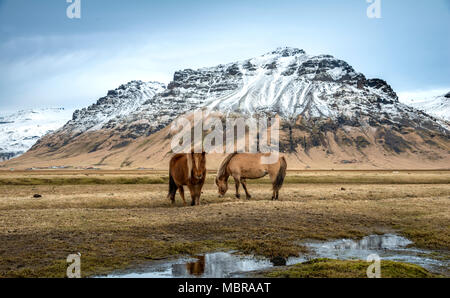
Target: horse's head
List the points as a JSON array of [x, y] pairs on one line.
[[222, 185], [199, 165]]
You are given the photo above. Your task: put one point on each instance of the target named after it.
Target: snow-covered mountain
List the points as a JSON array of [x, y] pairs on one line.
[[328, 109], [438, 106], [19, 131], [119, 103], [292, 83], [286, 81]]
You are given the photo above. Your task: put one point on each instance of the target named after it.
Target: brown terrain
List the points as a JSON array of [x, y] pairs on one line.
[[316, 147]]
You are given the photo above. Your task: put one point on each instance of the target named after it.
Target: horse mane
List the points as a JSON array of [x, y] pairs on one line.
[[223, 167], [190, 162]]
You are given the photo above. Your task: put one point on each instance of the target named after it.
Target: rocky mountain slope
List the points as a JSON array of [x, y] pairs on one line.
[[332, 117], [19, 131], [108, 110]]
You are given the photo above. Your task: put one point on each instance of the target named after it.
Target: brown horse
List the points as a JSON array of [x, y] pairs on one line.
[[187, 169], [248, 166]]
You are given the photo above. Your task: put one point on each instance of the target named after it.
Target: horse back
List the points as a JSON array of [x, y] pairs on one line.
[[248, 165]]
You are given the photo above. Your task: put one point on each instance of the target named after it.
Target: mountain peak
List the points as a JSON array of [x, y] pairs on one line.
[[287, 52], [119, 102]]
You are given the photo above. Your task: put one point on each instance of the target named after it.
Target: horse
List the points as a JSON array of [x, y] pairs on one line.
[[244, 166], [187, 169]]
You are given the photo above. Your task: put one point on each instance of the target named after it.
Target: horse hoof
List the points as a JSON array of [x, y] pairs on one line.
[[249, 197], [238, 197]]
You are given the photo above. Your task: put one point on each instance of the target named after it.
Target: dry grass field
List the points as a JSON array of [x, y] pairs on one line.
[[122, 219]]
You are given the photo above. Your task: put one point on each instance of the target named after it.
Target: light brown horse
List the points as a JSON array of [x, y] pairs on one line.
[[244, 166], [187, 169]]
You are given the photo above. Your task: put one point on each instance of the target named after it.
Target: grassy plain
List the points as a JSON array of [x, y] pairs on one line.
[[122, 219]]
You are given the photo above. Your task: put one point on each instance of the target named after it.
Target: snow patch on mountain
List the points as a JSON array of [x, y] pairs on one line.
[[19, 131], [118, 103], [437, 106], [286, 81]]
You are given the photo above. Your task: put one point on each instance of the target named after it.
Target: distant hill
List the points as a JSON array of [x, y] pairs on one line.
[[19, 131], [437, 106]]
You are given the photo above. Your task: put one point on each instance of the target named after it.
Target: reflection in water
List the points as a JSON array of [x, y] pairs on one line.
[[219, 264], [215, 265], [388, 247], [196, 268], [222, 264], [372, 242]]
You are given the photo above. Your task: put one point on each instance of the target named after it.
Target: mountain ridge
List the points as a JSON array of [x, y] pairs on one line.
[[330, 112]]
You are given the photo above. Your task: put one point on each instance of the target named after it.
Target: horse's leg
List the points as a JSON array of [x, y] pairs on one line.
[[236, 182], [192, 191], [276, 188], [244, 185], [275, 194], [173, 187], [172, 198], [181, 190], [198, 193]]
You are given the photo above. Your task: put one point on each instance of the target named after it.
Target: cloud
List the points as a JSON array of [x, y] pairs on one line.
[[75, 70]]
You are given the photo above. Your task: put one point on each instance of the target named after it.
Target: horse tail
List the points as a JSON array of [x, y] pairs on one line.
[[281, 174], [172, 188]]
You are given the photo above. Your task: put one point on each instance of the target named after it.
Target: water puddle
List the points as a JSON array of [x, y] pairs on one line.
[[388, 247], [229, 264], [215, 265]]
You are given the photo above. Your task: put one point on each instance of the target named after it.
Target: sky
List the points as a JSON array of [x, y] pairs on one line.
[[50, 60]]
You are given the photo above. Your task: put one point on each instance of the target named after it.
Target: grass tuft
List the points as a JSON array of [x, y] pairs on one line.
[[328, 268]]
